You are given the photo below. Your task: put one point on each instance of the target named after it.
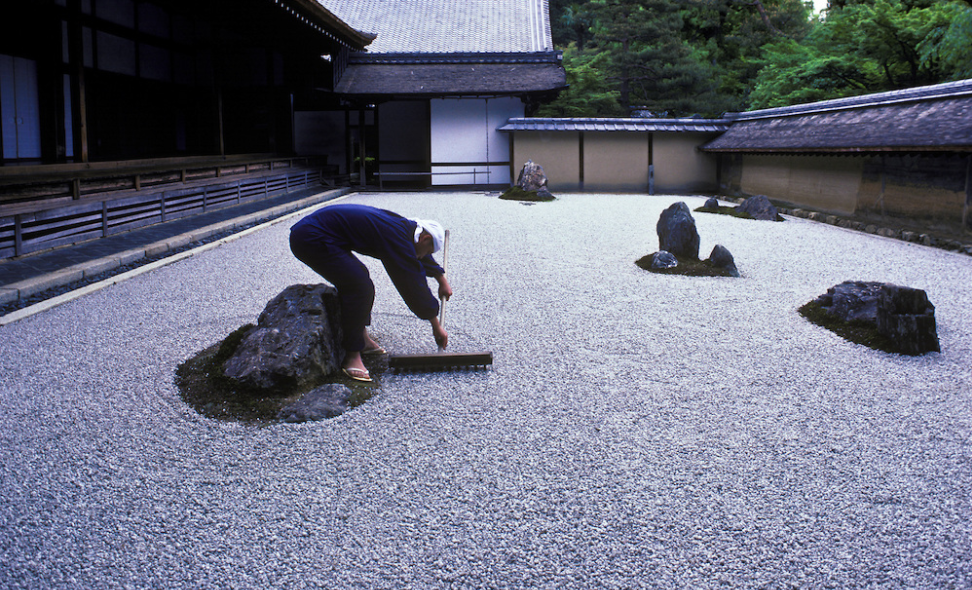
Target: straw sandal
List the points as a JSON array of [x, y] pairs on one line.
[[357, 374]]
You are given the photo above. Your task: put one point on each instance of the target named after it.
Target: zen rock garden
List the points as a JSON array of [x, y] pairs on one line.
[[284, 368]]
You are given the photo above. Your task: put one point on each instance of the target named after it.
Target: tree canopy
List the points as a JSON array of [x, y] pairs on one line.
[[705, 57]]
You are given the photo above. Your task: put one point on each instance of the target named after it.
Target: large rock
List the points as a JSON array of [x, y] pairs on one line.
[[722, 258], [533, 180], [531, 177], [677, 233], [902, 314], [905, 316], [296, 342], [321, 403], [852, 301], [662, 260], [759, 207]]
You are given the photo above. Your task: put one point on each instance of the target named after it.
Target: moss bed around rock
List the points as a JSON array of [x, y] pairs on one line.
[[204, 387], [689, 267], [732, 212], [516, 193], [858, 332]]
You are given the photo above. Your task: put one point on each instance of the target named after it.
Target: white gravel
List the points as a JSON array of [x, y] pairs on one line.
[[636, 430]]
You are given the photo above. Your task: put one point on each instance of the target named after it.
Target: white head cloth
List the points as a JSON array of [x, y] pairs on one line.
[[434, 229]]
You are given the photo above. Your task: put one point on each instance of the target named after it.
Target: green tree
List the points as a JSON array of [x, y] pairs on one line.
[[570, 22], [646, 57], [588, 93], [865, 46], [732, 36], [951, 46], [680, 57]]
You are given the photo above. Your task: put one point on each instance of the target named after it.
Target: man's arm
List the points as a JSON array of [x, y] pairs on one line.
[[445, 290]]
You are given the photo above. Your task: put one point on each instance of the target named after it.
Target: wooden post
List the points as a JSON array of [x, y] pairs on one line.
[[18, 235], [363, 168], [651, 163], [76, 59], [219, 122], [966, 220]]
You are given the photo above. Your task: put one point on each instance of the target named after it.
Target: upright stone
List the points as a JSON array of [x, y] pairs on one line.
[[533, 180], [722, 258], [677, 233], [907, 317]]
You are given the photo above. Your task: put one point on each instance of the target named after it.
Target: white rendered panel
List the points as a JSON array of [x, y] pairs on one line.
[[458, 130], [501, 110], [464, 131]]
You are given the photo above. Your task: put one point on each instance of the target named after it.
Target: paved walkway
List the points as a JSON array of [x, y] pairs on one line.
[[34, 276]]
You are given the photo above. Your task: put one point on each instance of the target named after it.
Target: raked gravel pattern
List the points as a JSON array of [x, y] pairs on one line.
[[635, 431]]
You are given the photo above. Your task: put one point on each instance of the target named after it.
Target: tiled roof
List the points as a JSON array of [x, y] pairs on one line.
[[929, 118], [921, 93], [449, 26], [436, 75], [621, 125]]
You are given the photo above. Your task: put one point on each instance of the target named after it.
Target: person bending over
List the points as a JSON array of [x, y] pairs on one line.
[[326, 240]]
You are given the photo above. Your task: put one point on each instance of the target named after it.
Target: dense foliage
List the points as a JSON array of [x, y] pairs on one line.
[[705, 57]]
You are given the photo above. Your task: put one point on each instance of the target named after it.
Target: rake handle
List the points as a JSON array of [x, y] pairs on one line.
[[445, 267]]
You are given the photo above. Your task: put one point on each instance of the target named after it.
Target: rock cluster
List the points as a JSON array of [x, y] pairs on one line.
[[678, 238]]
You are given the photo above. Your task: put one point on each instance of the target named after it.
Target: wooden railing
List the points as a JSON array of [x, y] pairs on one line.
[[43, 227], [31, 188]]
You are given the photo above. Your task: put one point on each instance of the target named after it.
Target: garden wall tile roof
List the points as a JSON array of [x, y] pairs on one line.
[[928, 118], [617, 125]]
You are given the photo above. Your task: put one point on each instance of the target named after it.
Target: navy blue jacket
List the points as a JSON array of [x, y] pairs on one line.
[[384, 235]]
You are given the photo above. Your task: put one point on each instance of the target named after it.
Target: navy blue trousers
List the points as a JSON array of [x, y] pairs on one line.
[[341, 268]]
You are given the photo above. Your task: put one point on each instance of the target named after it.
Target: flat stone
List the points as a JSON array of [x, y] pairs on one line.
[[321, 403]]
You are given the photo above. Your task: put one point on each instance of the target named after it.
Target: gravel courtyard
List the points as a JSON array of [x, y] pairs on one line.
[[635, 431]]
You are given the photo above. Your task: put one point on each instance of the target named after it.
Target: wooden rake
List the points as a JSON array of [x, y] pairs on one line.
[[441, 360]]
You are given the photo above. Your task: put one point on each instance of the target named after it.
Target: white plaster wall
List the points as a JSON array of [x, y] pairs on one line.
[[466, 143]]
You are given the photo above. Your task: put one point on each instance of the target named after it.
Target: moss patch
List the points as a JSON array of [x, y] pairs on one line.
[[206, 389], [689, 267], [858, 332], [516, 193]]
